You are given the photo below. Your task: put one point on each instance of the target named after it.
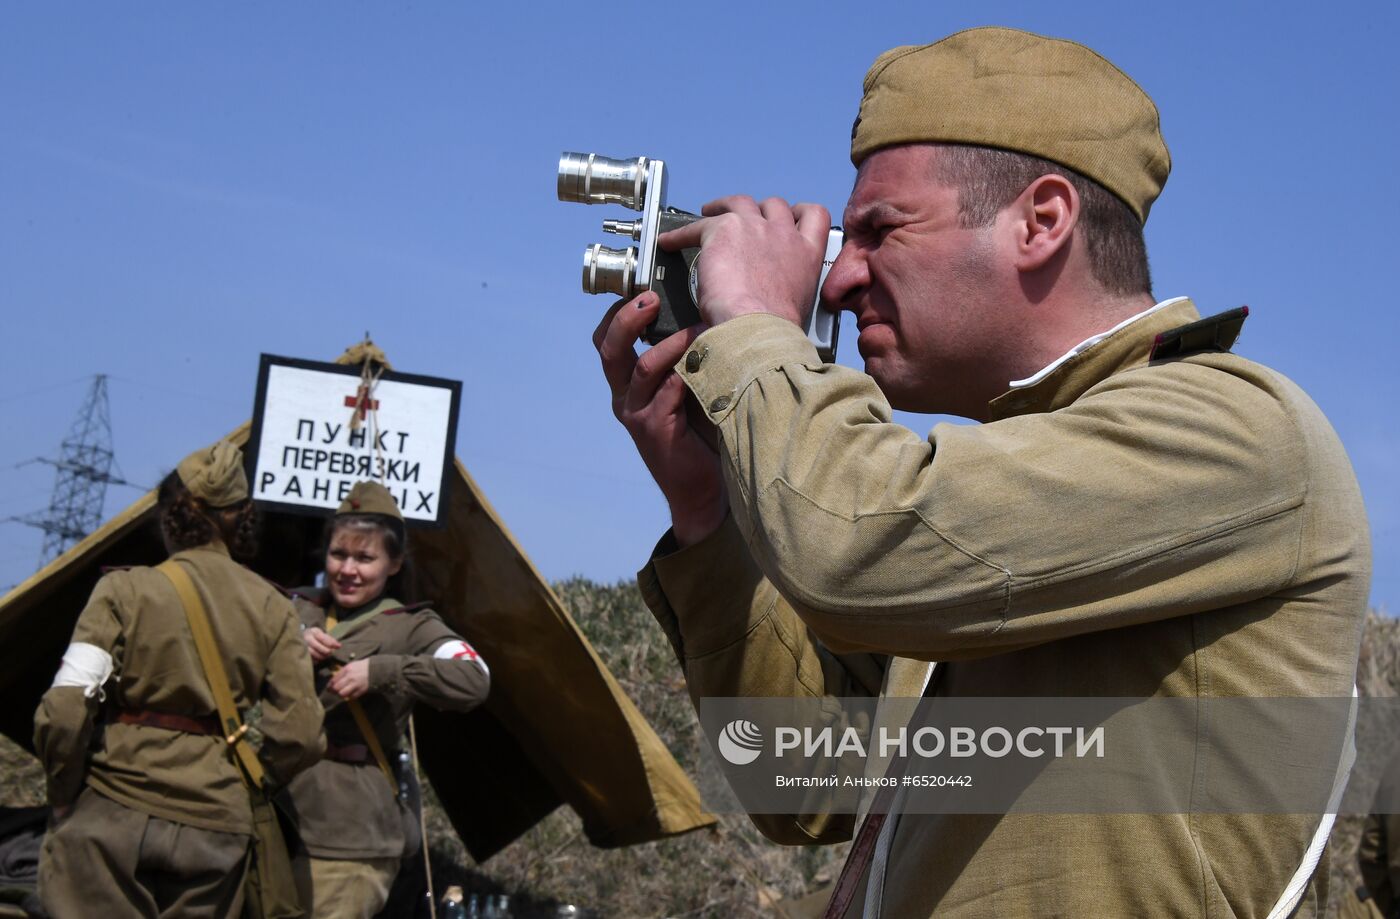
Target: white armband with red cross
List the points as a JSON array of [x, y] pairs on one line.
[[457, 650]]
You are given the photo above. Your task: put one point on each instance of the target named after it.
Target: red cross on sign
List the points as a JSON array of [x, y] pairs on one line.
[[362, 402]]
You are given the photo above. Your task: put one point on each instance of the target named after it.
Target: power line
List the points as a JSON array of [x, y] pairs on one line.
[[84, 470], [26, 394]]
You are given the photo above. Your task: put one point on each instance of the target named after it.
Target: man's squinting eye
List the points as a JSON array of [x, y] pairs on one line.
[[873, 232]]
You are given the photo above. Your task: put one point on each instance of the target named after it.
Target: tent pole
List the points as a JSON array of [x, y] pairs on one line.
[[422, 820]]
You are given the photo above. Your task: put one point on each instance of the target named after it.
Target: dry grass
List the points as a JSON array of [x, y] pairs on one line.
[[21, 776]]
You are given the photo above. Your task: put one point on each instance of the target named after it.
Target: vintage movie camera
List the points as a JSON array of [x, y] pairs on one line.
[[640, 184]]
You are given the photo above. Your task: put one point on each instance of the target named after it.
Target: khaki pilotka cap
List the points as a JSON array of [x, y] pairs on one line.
[[215, 475], [370, 498], [995, 87]]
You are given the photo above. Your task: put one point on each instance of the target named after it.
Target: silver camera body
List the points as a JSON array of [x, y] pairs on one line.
[[640, 184]]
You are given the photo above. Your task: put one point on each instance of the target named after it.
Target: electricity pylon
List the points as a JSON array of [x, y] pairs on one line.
[[84, 470]]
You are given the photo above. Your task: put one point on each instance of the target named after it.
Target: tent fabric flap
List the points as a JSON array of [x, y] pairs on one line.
[[557, 727]]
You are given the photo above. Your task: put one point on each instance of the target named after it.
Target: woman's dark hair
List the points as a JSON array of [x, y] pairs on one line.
[[400, 586], [187, 522]]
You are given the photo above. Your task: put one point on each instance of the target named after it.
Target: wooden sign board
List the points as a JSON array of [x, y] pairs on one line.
[[305, 451]]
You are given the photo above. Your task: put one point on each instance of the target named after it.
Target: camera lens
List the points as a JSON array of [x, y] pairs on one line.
[[588, 178], [609, 270]]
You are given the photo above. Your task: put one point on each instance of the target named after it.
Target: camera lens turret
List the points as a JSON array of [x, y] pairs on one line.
[[609, 270], [587, 178]]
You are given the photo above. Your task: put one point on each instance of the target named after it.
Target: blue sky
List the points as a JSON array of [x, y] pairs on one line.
[[185, 186]]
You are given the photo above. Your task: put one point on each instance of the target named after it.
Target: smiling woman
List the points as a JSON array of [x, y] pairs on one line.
[[375, 658], [363, 554]]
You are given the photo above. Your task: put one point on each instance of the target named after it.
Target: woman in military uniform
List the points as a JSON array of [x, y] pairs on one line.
[[375, 659], [152, 817]]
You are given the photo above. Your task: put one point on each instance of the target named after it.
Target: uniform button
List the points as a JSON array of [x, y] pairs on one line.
[[720, 404], [692, 361]]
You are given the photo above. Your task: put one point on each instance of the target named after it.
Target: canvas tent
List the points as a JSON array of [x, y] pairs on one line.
[[557, 728]]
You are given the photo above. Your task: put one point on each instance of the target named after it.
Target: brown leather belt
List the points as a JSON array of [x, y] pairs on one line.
[[356, 754], [169, 721]]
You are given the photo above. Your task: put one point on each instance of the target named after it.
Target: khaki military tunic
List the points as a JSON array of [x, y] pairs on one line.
[[161, 805], [349, 810], [1124, 527], [136, 616]]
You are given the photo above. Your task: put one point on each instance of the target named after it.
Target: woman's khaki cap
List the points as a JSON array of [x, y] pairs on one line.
[[1005, 88], [215, 475], [370, 498]]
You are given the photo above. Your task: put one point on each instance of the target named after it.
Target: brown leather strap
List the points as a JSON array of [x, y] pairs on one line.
[[863, 850], [357, 711], [189, 724], [860, 856], [231, 725]]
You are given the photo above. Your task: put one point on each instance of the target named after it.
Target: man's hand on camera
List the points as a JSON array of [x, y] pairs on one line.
[[649, 398], [756, 257]]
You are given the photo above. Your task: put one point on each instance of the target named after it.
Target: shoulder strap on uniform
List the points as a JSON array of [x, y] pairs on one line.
[[235, 731], [342, 630], [316, 596], [1213, 333], [409, 608], [357, 711]]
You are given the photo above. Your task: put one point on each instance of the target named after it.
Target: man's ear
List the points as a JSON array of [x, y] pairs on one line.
[[1043, 217]]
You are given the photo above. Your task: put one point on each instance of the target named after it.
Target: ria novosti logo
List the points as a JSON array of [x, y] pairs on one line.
[[740, 742]]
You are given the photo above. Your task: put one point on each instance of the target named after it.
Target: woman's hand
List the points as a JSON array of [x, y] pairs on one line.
[[350, 681], [320, 643]]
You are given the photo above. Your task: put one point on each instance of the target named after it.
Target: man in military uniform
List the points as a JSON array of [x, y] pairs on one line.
[[1141, 513], [153, 818]]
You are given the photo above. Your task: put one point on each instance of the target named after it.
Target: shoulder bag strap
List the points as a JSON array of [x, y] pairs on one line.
[[235, 731], [372, 739], [874, 838], [357, 711], [343, 630]]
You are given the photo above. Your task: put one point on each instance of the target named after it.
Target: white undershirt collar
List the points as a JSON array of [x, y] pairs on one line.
[[1088, 343]]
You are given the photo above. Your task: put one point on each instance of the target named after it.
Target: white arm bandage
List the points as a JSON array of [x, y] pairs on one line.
[[460, 650], [86, 666]]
